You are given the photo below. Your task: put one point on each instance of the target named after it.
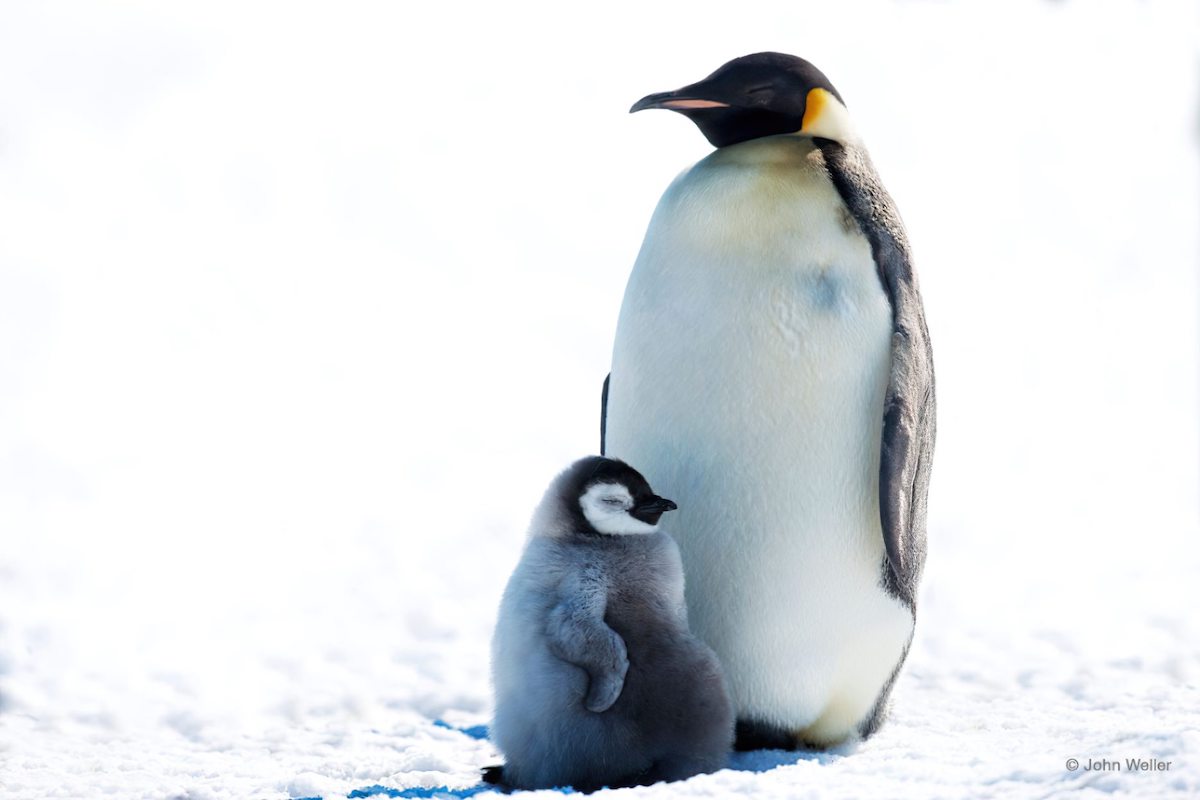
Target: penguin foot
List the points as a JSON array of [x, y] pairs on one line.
[[751, 734]]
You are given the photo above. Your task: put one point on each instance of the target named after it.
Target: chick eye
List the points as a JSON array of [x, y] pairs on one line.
[[615, 502]]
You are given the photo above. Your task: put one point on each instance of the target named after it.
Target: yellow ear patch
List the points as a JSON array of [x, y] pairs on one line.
[[814, 105], [826, 117]]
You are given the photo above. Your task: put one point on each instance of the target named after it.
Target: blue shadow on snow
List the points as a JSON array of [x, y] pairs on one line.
[[475, 731], [420, 791], [767, 760], [752, 761]]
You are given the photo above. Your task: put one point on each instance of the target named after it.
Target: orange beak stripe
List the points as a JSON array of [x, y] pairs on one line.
[[678, 104]]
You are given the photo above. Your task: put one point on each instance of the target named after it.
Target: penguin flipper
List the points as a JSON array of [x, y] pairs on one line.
[[909, 426], [578, 634], [905, 459], [604, 412]]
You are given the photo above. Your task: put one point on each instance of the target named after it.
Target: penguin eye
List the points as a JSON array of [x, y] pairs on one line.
[[760, 95], [613, 501]]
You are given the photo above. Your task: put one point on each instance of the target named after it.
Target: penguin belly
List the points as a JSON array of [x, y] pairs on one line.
[[749, 371]]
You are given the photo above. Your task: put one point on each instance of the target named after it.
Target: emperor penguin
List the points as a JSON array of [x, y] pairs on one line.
[[598, 681], [772, 370]]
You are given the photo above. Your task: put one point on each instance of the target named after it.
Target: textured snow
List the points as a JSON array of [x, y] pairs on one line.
[[301, 309]]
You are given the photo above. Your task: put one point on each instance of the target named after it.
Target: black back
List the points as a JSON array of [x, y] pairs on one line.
[[909, 423], [604, 414]]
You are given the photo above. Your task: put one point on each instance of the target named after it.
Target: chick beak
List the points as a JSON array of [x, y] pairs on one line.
[[650, 509]]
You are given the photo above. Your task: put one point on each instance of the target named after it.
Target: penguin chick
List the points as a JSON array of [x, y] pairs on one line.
[[598, 681]]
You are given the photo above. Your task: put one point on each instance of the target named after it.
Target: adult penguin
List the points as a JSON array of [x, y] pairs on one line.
[[772, 372]]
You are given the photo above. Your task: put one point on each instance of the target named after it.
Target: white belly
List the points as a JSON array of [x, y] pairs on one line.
[[748, 379]]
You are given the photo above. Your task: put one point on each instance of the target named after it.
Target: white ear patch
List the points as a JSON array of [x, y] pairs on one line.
[[606, 506]]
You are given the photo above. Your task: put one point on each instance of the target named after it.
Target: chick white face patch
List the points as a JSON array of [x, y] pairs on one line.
[[606, 506]]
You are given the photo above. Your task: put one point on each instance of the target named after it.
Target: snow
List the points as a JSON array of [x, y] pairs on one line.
[[301, 309]]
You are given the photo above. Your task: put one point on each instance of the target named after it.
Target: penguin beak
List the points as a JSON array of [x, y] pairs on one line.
[[685, 99], [650, 509]]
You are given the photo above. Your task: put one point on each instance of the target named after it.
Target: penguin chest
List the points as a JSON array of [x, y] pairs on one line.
[[754, 320]]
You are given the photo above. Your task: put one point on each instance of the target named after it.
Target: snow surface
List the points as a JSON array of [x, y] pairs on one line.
[[302, 307]]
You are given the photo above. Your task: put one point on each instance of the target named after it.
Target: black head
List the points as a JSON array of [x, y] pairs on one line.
[[607, 496], [763, 94]]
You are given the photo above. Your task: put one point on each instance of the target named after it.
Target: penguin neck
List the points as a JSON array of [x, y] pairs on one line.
[[767, 151], [749, 206], [764, 152]]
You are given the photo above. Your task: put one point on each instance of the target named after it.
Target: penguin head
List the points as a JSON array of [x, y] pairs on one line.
[[609, 497], [764, 94]]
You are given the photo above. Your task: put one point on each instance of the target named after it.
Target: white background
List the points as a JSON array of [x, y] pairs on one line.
[[301, 307]]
